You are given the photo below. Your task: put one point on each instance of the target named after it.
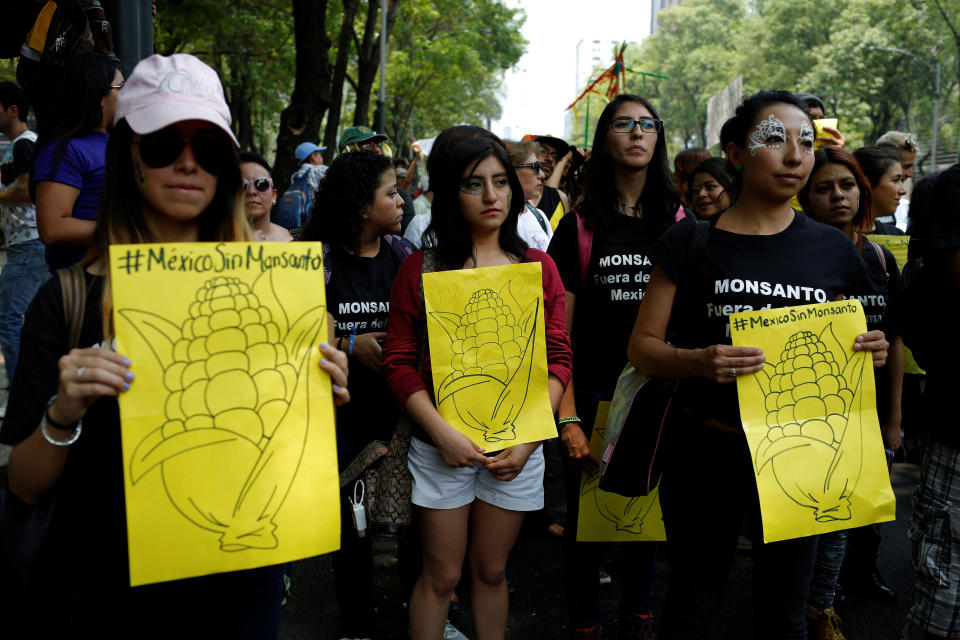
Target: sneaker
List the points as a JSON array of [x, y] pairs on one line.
[[588, 633], [639, 627], [823, 624], [450, 632], [604, 577]]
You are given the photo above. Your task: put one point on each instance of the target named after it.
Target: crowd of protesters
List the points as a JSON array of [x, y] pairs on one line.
[[130, 161]]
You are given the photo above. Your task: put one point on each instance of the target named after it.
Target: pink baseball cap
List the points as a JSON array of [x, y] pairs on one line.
[[162, 90]]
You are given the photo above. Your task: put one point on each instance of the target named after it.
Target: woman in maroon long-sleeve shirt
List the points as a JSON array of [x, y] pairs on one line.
[[455, 486]]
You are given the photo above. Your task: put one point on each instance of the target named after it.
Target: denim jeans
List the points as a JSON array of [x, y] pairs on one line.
[[20, 279]]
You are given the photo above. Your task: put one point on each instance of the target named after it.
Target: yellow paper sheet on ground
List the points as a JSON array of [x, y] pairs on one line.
[[229, 449], [610, 517], [899, 247], [810, 417], [488, 352]]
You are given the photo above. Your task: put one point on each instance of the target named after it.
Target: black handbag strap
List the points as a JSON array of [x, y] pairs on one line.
[[73, 287]]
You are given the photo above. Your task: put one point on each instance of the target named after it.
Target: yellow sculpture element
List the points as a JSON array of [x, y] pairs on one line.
[[228, 408], [610, 517], [496, 350], [810, 420]]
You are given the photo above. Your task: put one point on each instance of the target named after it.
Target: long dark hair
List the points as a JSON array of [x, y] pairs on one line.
[[876, 161], [348, 188], [601, 200], [736, 128], [453, 236], [720, 170], [863, 220]]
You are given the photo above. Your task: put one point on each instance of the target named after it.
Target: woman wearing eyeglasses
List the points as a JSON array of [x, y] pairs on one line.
[[460, 490], [533, 225], [172, 176], [602, 255], [259, 197]]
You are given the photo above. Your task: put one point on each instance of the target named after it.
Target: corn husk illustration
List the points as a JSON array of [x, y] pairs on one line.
[[235, 401], [814, 425], [626, 513], [492, 344]]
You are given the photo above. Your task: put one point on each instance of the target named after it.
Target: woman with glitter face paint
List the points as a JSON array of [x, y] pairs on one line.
[[708, 484]]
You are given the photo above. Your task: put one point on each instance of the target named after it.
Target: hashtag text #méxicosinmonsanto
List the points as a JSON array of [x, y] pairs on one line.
[[170, 259]]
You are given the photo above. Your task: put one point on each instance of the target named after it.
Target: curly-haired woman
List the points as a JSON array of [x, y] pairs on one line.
[[360, 210]]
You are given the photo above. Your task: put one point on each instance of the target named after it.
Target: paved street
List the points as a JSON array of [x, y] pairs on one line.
[[537, 603]]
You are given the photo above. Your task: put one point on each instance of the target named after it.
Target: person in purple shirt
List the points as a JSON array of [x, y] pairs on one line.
[[70, 155]]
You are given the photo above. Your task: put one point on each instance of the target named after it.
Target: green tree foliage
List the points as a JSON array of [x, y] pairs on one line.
[[446, 63], [848, 53]]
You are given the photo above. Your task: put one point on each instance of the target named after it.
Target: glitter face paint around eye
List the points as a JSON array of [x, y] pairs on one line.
[[764, 129], [806, 134]]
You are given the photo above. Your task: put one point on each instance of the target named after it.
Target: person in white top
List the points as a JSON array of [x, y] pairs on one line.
[[532, 225], [906, 145]]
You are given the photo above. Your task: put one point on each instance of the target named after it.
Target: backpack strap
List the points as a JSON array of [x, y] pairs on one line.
[[537, 216], [73, 287], [883, 258], [585, 247], [400, 247]]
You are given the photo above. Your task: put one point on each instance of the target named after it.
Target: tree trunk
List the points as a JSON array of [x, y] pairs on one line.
[[340, 73], [240, 103], [368, 57], [301, 120]]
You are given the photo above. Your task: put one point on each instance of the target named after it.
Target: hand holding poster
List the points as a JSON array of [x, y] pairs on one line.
[[610, 517], [228, 435], [488, 353], [811, 422]]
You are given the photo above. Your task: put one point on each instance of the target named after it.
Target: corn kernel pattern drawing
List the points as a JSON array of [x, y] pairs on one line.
[[231, 388], [814, 398], [493, 350]]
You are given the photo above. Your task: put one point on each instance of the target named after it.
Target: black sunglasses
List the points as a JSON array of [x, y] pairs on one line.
[[260, 184], [536, 166], [162, 148]]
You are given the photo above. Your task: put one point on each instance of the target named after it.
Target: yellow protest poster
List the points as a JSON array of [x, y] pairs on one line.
[[488, 352], [810, 417], [229, 450], [610, 517], [899, 246]]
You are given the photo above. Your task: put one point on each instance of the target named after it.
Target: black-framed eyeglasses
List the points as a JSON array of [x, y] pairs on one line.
[[553, 154], [536, 166], [626, 125], [162, 148], [262, 185]]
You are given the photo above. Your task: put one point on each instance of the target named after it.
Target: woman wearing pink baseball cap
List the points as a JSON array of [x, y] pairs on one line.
[[172, 175]]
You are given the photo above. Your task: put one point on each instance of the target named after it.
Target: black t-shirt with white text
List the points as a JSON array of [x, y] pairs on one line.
[[606, 306], [358, 296], [806, 263]]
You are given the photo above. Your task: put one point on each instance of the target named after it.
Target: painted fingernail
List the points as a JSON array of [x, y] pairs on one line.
[[126, 386], [337, 387], [126, 362], [324, 362], [324, 345], [129, 376]]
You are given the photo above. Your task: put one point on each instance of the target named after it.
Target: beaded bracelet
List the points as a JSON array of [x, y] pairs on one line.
[[569, 419], [46, 421]]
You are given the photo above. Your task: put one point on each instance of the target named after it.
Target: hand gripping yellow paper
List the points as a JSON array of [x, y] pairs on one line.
[[810, 417], [610, 517], [488, 352], [229, 452]]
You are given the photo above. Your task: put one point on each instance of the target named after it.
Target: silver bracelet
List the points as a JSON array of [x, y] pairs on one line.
[[45, 423]]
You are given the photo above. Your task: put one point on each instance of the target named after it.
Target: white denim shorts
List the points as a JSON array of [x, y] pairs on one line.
[[438, 486]]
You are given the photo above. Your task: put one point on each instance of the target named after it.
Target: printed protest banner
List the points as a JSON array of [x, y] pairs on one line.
[[229, 450], [810, 417], [488, 352], [610, 517], [899, 246]]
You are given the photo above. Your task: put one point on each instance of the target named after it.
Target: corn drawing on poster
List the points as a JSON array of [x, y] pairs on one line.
[[610, 517], [488, 353], [810, 417], [229, 452]]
